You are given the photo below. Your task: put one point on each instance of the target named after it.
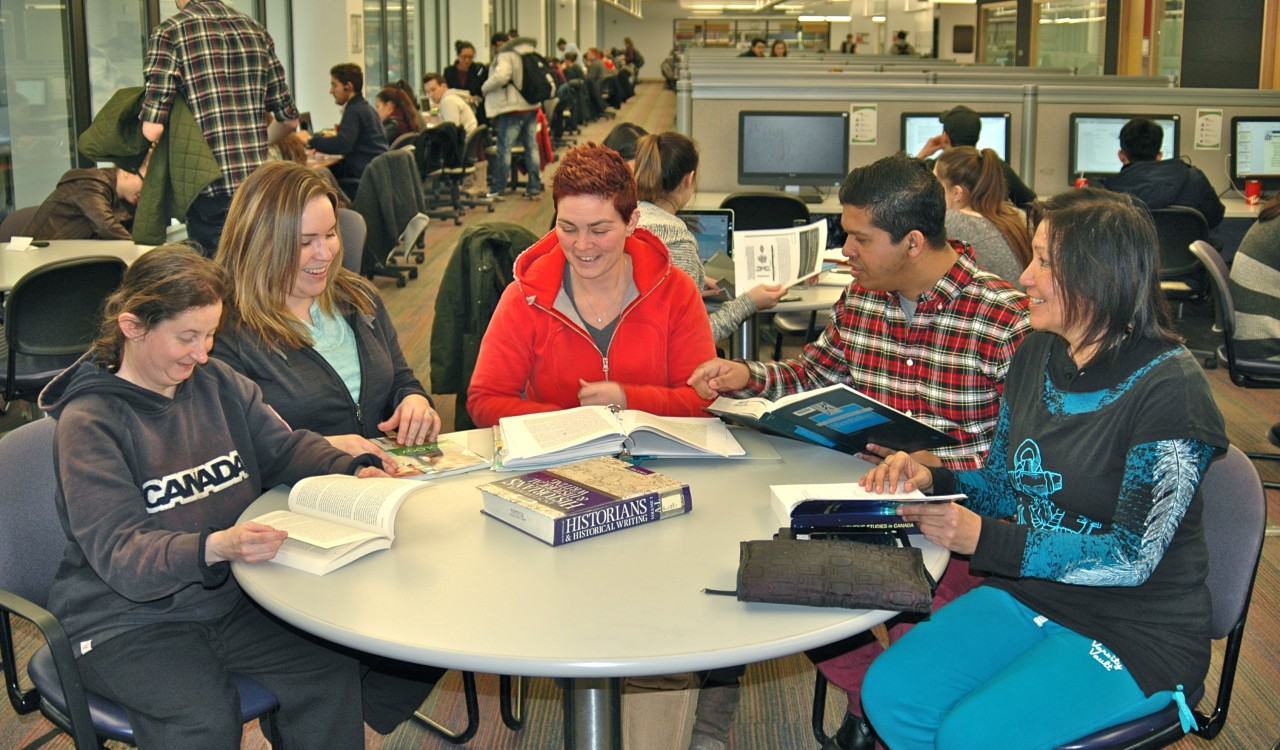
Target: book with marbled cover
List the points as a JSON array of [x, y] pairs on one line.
[[585, 499]]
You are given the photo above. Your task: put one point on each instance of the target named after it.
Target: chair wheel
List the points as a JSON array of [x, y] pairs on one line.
[[457, 221], [401, 281], [413, 273], [490, 208], [420, 257]]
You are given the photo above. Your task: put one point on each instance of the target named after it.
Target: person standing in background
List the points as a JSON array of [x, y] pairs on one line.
[[224, 64]]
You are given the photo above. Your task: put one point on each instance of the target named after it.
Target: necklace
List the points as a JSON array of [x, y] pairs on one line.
[[609, 311]]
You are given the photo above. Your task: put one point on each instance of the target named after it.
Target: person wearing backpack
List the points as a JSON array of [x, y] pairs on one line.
[[519, 81]]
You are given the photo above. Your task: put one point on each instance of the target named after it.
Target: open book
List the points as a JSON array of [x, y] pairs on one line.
[[438, 458], [534, 441], [334, 519], [847, 506], [778, 256], [837, 417]]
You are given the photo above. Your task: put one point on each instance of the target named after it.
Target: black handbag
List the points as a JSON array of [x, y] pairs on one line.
[[833, 573]]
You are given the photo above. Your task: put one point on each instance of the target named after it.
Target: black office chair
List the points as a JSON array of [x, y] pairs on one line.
[[404, 139], [774, 210], [17, 222], [51, 318], [454, 176], [1246, 373], [390, 197], [31, 544], [1235, 515], [1181, 276]]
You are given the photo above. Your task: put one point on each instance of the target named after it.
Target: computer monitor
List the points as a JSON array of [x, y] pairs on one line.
[[918, 127], [1095, 143], [795, 151], [1255, 151]]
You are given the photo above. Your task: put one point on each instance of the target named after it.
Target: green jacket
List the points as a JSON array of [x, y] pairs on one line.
[[181, 166], [473, 280]]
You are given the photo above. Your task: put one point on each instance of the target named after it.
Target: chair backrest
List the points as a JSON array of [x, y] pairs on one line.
[[31, 537], [17, 222], [351, 227], [412, 231], [1235, 519], [57, 308], [1177, 227], [404, 139], [765, 210], [474, 146], [1216, 268]]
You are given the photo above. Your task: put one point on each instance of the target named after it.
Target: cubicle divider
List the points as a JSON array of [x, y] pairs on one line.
[[708, 107]]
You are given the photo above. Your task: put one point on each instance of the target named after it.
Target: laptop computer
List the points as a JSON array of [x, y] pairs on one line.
[[713, 228]]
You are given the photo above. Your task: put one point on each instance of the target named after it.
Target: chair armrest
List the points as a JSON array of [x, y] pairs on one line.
[[63, 659]]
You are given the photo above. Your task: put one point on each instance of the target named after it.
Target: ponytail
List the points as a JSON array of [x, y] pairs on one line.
[[662, 161], [982, 174]]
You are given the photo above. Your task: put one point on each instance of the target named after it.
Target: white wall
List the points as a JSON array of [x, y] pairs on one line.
[[322, 40], [653, 35], [467, 22], [950, 16]]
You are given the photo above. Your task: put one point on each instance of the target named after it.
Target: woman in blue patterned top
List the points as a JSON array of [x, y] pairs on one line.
[[1085, 514]]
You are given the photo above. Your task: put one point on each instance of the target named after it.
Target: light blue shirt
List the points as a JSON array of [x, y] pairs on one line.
[[335, 342]]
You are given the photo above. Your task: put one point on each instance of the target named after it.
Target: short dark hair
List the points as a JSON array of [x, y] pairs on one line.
[[348, 73], [901, 194], [757, 40], [1141, 139], [499, 36], [439, 79], [1105, 260], [623, 139], [462, 44]]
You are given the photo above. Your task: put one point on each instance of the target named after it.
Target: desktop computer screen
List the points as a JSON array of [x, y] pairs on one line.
[[795, 150], [918, 127], [1095, 143], [1255, 151]]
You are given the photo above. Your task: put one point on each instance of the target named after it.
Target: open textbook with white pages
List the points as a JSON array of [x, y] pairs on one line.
[[533, 441], [335, 519]]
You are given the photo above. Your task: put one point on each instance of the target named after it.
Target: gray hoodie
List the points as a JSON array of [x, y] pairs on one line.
[[507, 68], [144, 479]]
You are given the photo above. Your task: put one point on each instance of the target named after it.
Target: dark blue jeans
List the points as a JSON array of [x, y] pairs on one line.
[[509, 127]]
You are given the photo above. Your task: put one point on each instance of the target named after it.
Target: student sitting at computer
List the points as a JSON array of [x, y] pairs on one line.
[[359, 136], [319, 342], [596, 314], [158, 452], [961, 126], [88, 204], [1085, 513], [397, 111], [666, 178], [1160, 182], [978, 214], [452, 105]]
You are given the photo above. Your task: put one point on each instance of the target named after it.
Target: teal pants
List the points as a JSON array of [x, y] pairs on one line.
[[985, 671]]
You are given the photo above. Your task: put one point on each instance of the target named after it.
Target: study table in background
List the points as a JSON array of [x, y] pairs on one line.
[[463, 591], [14, 264]]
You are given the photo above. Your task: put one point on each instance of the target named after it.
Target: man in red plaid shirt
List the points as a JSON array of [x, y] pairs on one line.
[[921, 328]]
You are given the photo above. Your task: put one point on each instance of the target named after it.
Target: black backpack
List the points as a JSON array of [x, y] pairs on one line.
[[538, 82]]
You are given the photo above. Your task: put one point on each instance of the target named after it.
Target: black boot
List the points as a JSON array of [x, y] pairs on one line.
[[854, 734]]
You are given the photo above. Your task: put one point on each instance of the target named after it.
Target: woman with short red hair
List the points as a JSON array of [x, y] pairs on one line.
[[596, 315]]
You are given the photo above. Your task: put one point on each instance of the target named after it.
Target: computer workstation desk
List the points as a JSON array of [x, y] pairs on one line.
[[466, 592], [14, 264]]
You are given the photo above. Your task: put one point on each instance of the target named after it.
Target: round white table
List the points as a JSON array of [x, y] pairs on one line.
[[460, 590]]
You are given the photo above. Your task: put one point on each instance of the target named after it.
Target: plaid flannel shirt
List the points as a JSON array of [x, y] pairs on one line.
[[946, 367], [224, 64]]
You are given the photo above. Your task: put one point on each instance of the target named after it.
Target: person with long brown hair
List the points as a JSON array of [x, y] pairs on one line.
[[666, 177], [978, 212], [397, 111]]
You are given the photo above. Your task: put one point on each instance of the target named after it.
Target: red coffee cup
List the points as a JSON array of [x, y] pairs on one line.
[[1082, 181], [1252, 192]]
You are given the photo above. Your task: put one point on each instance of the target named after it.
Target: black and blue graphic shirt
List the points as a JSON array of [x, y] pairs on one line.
[[1091, 515]]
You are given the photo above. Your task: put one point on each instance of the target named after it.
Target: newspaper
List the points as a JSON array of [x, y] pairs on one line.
[[778, 256]]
